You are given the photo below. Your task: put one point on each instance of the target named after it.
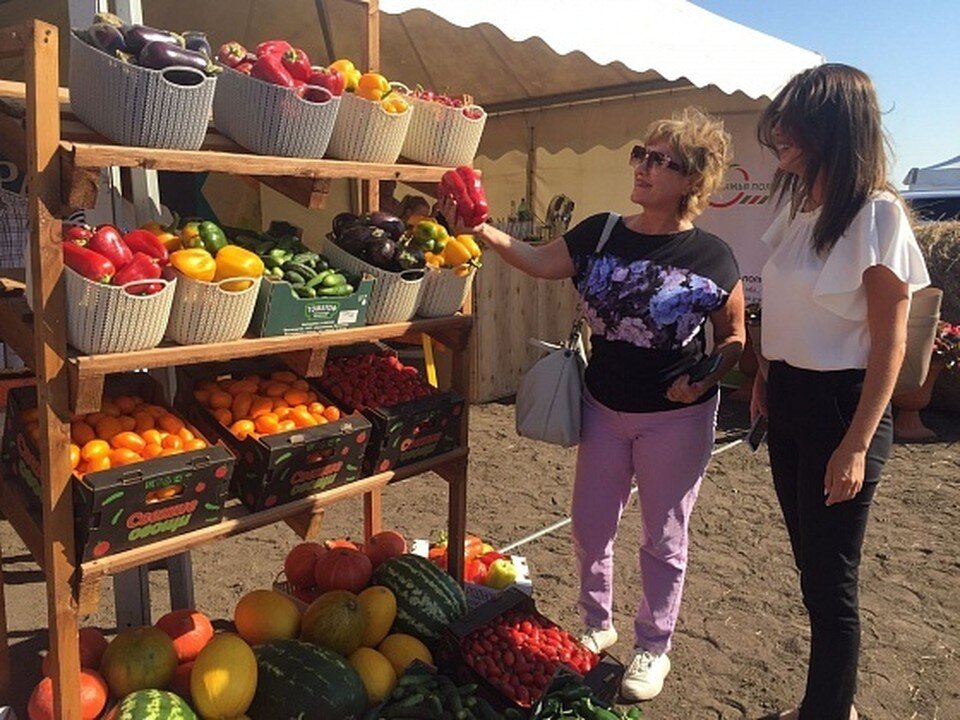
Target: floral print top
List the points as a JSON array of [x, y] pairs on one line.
[[647, 299]]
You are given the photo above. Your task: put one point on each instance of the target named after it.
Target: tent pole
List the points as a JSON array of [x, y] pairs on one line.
[[531, 165], [371, 63], [324, 18]]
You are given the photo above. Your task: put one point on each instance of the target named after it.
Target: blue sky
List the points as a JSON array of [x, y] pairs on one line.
[[908, 47]]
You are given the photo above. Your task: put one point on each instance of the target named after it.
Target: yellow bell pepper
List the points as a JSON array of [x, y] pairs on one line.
[[433, 260], [455, 253], [470, 244], [234, 261], [170, 240], [394, 104], [351, 76], [195, 263], [372, 86]]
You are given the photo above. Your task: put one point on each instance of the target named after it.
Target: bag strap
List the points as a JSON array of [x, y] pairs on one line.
[[612, 219]]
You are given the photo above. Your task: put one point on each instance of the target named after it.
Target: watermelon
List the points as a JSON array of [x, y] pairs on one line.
[[152, 705], [297, 680], [428, 599]]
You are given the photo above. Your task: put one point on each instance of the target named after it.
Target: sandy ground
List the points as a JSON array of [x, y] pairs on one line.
[[741, 643]]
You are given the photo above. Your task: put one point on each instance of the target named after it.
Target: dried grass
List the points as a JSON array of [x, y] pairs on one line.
[[940, 242]]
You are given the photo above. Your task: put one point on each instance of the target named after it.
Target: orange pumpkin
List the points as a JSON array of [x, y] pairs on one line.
[[93, 697], [383, 546], [341, 543], [343, 569], [180, 684], [92, 645], [190, 631], [300, 563]]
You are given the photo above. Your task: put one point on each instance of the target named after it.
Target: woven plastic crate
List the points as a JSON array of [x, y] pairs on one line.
[[133, 105], [443, 292], [442, 135], [203, 312], [108, 319], [272, 120], [395, 296], [365, 132]]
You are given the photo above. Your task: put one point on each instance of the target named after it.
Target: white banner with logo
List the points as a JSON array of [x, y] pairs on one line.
[[742, 210]]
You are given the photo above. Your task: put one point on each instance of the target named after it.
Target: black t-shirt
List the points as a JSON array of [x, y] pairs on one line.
[[647, 298]]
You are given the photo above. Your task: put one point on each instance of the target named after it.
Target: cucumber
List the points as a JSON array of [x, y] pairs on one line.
[[318, 278], [294, 278], [334, 279], [335, 291], [305, 271], [303, 291], [307, 258]]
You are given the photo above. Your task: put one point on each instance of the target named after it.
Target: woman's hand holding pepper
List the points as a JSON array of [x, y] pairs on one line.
[[447, 207]]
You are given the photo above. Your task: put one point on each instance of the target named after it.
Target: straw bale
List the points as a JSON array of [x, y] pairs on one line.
[[940, 242]]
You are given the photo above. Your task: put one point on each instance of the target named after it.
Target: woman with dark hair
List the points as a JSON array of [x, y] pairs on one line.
[[648, 295], [836, 290]]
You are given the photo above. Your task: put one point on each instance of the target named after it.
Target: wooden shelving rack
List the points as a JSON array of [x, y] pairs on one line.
[[63, 159]]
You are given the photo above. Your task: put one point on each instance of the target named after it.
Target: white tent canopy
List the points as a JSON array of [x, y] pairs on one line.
[[942, 176]]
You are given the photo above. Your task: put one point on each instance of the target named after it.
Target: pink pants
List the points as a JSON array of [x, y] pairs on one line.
[[666, 453]]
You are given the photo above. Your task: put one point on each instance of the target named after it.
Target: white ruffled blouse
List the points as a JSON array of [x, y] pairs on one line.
[[814, 307]]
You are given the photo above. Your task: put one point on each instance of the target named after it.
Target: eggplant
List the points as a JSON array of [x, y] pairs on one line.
[[354, 239], [380, 249], [137, 37], [343, 221], [391, 224], [107, 38], [160, 55], [197, 41], [410, 257]]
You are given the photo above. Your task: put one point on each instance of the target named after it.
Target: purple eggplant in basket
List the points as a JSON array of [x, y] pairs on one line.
[[137, 37], [197, 40], [107, 38], [160, 55]]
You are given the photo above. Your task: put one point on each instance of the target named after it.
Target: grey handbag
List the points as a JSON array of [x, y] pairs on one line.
[[548, 400]]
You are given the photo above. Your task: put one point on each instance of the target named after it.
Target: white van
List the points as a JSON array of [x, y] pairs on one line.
[[934, 205]]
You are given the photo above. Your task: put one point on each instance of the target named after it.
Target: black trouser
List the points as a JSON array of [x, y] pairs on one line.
[[809, 412]]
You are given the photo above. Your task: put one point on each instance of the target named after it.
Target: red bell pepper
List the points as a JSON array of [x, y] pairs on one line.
[[481, 211], [297, 64], [332, 80], [144, 241], [232, 54], [141, 267], [452, 185], [273, 47], [475, 571], [245, 67], [77, 234], [271, 69], [108, 242], [92, 265]]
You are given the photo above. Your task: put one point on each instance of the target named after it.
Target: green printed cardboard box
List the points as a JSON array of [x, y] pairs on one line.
[[280, 311], [129, 506], [279, 468]]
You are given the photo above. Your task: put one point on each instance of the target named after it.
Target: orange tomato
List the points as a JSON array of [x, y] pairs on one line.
[[93, 418], [74, 455], [223, 417], [286, 426], [331, 413], [107, 427], [81, 433], [282, 412], [186, 434], [300, 384], [95, 449], [295, 397], [321, 420], [208, 385], [301, 417], [124, 456], [241, 404], [195, 444], [171, 423], [128, 440], [260, 406], [158, 411], [312, 397], [127, 422], [151, 450], [98, 463], [284, 376], [220, 399], [267, 423], [276, 389], [242, 428], [172, 442], [202, 396], [110, 408], [239, 387], [170, 451], [151, 436], [126, 404], [143, 421]]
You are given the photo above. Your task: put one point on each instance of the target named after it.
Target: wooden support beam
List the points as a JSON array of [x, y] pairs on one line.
[[306, 363], [78, 186], [307, 525]]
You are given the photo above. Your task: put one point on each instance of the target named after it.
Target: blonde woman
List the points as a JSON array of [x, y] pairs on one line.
[[647, 297]]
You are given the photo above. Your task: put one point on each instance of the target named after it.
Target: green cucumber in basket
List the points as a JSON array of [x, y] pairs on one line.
[[318, 278], [305, 271], [341, 290]]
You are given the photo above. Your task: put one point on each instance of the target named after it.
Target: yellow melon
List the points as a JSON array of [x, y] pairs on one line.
[[264, 615], [379, 606], [376, 671], [401, 650], [224, 678]]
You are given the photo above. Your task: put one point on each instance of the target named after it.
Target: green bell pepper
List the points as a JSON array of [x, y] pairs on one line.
[[204, 234]]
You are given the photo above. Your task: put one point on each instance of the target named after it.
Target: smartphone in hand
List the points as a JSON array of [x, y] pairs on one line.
[[757, 432]]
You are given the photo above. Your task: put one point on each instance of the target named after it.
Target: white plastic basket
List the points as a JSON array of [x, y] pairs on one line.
[[108, 319], [365, 132], [443, 292], [203, 312], [395, 296], [133, 105], [272, 120], [442, 135]]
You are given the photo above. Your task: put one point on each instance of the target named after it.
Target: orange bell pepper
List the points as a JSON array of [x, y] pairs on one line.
[[372, 86]]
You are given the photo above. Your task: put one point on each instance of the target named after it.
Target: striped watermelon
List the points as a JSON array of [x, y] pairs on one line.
[[301, 681], [428, 599], [152, 705]]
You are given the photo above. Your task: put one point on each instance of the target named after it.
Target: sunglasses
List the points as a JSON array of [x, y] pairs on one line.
[[648, 158]]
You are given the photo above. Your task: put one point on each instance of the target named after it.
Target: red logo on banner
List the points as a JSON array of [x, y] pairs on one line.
[[739, 190]]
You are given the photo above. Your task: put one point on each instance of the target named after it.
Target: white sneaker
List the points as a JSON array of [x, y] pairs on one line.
[[597, 640], [643, 679]]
